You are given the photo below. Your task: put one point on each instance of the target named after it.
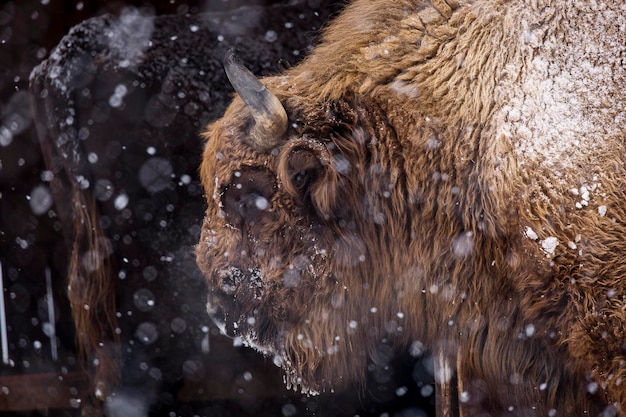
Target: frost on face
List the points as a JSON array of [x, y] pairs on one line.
[[232, 277]]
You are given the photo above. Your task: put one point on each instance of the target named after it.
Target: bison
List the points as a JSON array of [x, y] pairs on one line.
[[445, 175]]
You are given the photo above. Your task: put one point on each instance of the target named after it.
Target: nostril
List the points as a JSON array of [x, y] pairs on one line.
[[229, 279]]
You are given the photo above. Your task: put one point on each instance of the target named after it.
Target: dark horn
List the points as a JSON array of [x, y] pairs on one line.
[[270, 118]]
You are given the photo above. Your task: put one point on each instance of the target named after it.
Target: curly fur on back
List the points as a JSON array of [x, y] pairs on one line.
[[454, 175]]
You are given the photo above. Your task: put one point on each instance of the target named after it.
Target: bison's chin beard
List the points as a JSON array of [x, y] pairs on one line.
[[307, 368], [312, 362], [319, 362]]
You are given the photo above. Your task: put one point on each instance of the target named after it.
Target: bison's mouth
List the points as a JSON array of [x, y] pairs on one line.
[[221, 311], [235, 308]]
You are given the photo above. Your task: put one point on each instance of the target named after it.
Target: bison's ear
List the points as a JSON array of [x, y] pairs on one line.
[[307, 172]]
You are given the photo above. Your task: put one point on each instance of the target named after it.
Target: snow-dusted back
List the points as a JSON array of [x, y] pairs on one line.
[[560, 104]]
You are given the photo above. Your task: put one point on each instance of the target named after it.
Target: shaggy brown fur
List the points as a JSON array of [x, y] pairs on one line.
[[90, 291], [453, 174]]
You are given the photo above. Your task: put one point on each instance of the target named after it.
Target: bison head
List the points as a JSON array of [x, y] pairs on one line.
[[305, 222]]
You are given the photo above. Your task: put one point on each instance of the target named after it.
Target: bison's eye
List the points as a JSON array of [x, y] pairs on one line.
[[248, 196], [302, 180], [303, 169], [307, 173]]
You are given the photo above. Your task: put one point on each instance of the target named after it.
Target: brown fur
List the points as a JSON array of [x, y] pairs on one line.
[[91, 292], [426, 172]]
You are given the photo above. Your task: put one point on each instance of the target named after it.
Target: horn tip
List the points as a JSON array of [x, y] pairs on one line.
[[229, 57]]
